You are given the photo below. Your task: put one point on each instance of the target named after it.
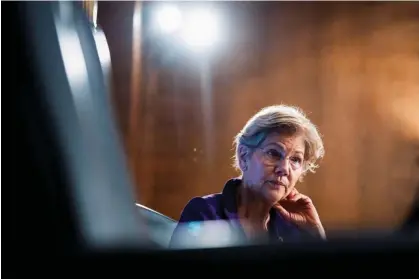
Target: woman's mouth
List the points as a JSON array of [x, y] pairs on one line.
[[277, 185]]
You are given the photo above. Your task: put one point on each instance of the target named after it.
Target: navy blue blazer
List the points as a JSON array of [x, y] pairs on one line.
[[223, 207]]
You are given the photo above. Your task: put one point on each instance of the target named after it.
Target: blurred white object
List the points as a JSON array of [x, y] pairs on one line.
[[206, 234]]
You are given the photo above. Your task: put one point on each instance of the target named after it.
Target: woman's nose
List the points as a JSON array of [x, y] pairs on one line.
[[282, 168]]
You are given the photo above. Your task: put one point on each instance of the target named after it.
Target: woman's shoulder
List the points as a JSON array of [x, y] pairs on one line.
[[213, 206], [202, 208], [200, 216]]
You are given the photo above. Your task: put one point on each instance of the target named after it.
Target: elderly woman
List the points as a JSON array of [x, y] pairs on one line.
[[274, 150]]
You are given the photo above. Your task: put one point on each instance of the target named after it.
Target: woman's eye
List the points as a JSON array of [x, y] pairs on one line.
[[274, 153], [296, 160]]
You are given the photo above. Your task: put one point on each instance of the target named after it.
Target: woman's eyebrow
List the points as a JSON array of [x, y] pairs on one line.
[[276, 144], [282, 147]]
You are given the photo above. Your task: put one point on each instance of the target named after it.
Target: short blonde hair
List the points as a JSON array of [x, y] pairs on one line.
[[281, 118]]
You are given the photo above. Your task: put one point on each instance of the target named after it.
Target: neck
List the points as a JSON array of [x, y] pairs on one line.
[[252, 207]]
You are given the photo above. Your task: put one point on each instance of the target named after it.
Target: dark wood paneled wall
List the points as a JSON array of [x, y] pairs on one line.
[[354, 67]]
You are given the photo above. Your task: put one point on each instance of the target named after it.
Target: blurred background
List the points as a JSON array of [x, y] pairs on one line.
[[181, 96]]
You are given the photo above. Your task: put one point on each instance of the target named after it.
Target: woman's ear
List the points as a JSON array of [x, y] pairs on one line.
[[243, 153]]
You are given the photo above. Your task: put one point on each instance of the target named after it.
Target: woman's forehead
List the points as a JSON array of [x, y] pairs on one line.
[[294, 142]]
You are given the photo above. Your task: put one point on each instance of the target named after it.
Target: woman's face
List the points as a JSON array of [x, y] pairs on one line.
[[275, 166]]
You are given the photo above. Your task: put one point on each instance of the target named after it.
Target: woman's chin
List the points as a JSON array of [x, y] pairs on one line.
[[274, 196]]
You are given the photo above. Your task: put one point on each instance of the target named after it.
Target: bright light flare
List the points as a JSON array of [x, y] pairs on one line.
[[198, 29], [201, 30], [169, 19]]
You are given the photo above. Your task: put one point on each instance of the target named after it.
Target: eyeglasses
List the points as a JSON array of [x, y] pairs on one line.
[[273, 156]]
